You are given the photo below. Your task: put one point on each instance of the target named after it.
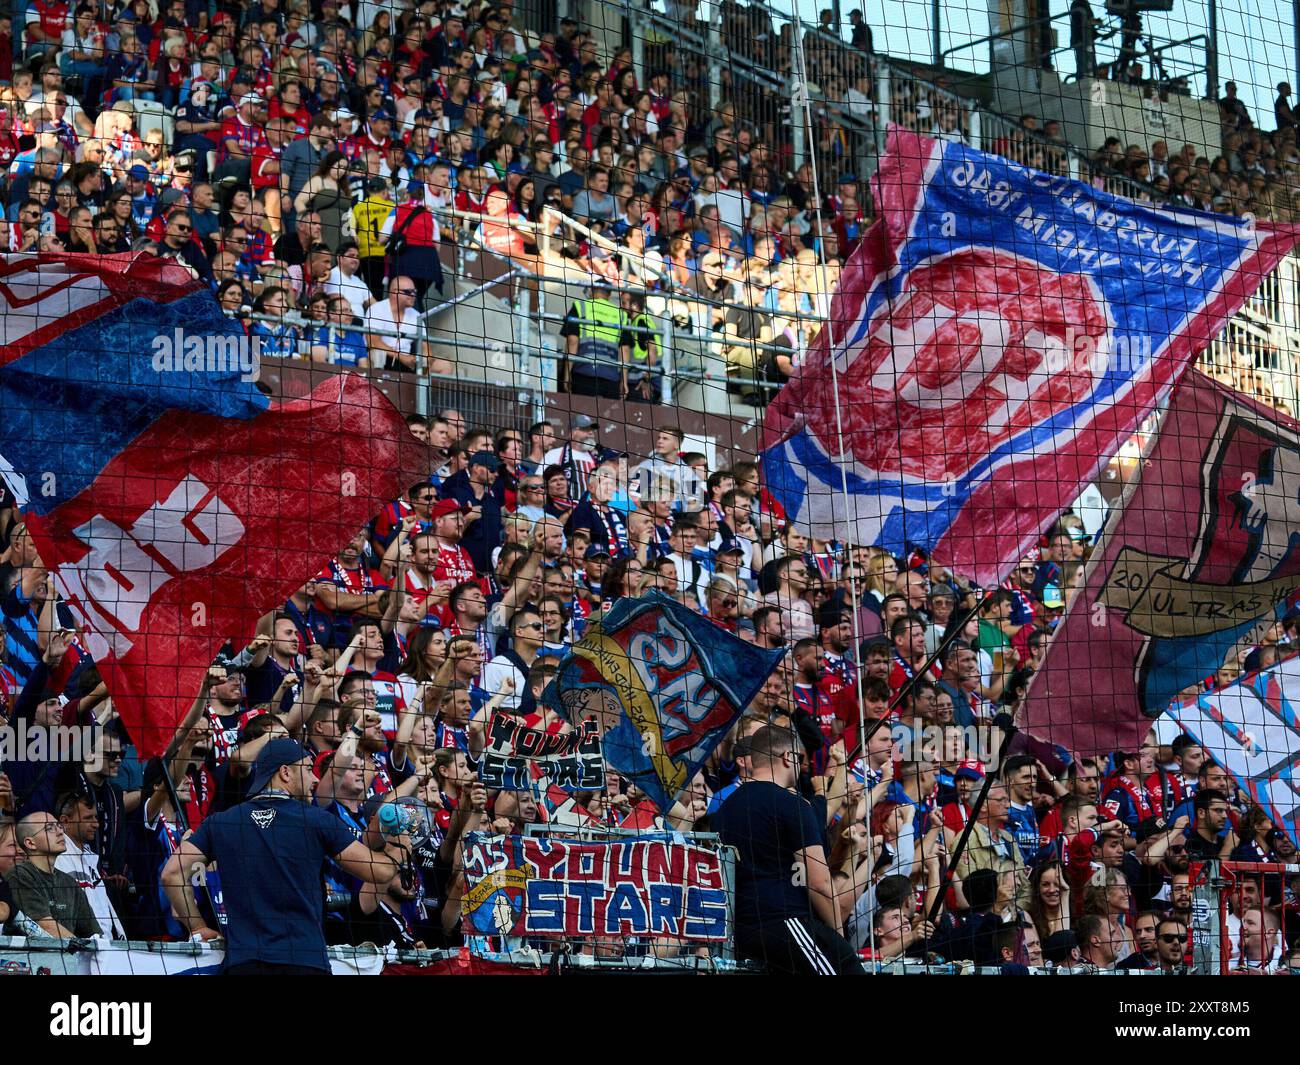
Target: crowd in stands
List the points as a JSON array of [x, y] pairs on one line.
[[328, 161], [458, 601]]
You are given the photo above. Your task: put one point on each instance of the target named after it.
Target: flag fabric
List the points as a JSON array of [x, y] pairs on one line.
[[996, 337], [665, 685], [1202, 556], [515, 757], [655, 885], [1251, 729], [172, 502]]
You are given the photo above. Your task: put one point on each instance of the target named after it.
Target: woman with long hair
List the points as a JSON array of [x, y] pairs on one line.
[[327, 194], [622, 580], [380, 28], [679, 259], [1109, 896], [1256, 834], [425, 653], [1049, 899], [882, 571], [118, 205]]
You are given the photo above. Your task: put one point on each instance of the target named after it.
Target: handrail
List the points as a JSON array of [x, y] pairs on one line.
[[1012, 32]]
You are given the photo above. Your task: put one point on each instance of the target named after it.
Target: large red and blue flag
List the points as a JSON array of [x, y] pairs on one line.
[[997, 336], [172, 502], [663, 685]]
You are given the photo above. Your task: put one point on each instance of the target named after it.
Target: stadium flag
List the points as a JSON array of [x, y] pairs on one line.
[[1250, 728], [172, 502], [1202, 557], [664, 685], [996, 337]]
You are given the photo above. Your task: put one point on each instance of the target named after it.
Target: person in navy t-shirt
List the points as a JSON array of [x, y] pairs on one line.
[[272, 850], [789, 922]]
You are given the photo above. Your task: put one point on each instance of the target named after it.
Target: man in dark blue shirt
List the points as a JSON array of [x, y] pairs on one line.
[[472, 487], [270, 852], [786, 911]]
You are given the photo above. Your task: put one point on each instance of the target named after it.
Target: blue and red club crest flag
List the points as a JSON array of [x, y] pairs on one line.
[[172, 502], [996, 337], [664, 685]]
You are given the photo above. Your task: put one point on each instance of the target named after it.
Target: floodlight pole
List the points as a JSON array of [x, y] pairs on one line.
[[1212, 50]]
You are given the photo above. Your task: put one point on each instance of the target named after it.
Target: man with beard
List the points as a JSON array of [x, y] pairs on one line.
[[347, 587], [275, 656]]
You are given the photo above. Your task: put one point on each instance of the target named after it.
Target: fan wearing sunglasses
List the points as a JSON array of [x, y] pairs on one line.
[[178, 243]]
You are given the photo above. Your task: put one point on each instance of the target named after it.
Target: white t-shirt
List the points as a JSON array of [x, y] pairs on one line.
[[380, 316], [353, 289], [83, 867], [494, 671]]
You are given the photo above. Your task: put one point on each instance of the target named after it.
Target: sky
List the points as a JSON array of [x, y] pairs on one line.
[[1256, 37]]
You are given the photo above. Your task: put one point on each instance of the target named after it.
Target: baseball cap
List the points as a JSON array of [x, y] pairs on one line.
[[1058, 947], [277, 753], [585, 421], [698, 152], [485, 458], [252, 99], [971, 770], [848, 179], [376, 184], [596, 551], [728, 545], [444, 507], [138, 172]]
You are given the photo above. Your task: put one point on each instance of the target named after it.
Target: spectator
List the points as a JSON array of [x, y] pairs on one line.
[[790, 923], [50, 900], [272, 894]]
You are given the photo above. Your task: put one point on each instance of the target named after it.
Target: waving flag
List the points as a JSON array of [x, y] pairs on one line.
[[1251, 729], [664, 684], [994, 340], [172, 502], [1203, 554]]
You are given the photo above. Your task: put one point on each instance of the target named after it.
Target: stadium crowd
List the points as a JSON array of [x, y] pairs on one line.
[[459, 600], [324, 161]]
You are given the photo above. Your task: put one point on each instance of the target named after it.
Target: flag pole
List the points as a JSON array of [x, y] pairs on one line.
[[1009, 731], [811, 142], [949, 637]]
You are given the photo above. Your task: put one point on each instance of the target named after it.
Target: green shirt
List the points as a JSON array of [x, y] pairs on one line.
[[38, 895]]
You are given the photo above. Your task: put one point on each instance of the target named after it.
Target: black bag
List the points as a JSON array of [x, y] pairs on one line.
[[397, 242]]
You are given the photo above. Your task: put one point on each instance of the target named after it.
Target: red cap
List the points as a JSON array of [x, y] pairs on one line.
[[444, 507]]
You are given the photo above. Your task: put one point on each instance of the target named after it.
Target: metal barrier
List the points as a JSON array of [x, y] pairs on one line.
[[1230, 946], [92, 957]]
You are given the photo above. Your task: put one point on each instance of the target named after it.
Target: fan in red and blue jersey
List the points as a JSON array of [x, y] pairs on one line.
[[417, 501], [1124, 795]]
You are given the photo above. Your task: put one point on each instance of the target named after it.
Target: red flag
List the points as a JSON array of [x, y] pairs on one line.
[[1203, 553], [202, 524]]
